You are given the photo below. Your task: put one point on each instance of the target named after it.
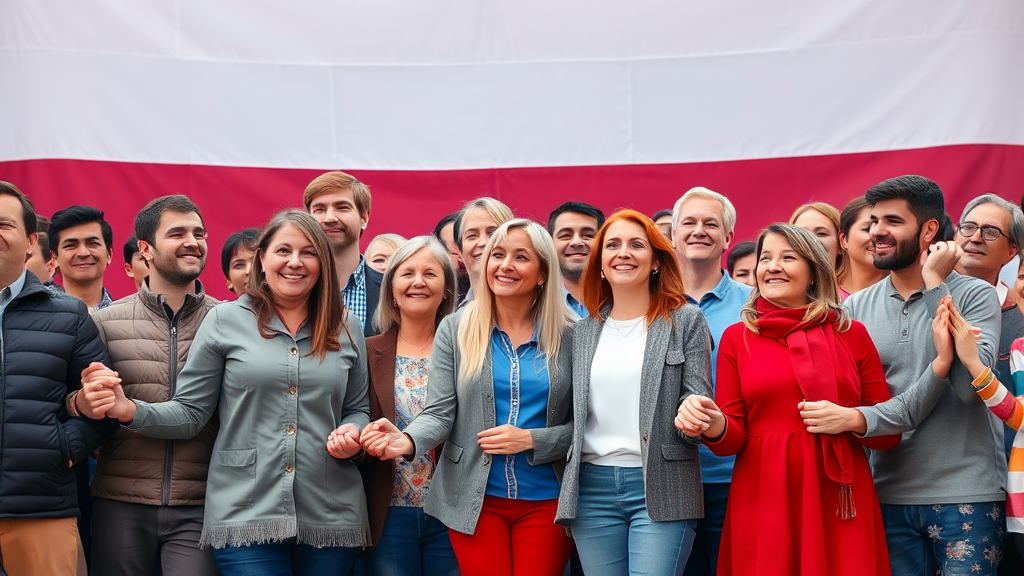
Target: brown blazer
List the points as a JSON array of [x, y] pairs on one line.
[[379, 476]]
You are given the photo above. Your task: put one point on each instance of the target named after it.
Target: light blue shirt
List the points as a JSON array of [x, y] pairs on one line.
[[721, 308], [575, 305], [11, 292], [521, 388]]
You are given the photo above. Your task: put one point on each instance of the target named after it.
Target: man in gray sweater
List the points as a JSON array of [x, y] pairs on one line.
[[943, 489]]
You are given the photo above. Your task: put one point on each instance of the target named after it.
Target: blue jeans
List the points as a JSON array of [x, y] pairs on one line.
[[704, 557], [952, 538], [615, 535], [285, 559], [411, 544]]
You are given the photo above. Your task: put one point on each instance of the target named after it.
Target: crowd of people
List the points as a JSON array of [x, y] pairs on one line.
[[499, 397]]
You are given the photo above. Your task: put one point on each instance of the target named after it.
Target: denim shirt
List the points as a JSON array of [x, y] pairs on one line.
[[520, 399], [721, 308]]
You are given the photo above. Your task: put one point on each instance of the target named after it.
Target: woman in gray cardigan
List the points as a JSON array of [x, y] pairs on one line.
[[499, 398], [632, 488], [285, 372]]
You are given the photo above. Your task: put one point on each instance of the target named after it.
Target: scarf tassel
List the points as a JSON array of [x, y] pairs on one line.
[[846, 509]]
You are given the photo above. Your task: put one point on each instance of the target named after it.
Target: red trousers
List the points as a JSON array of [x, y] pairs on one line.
[[513, 538]]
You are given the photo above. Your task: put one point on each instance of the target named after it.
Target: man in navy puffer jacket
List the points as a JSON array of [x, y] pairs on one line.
[[46, 340]]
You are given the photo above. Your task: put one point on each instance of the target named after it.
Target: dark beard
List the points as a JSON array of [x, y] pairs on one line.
[[906, 253]]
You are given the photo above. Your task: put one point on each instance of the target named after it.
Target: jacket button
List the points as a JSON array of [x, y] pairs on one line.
[[292, 390], [289, 468], [290, 429], [293, 351], [645, 437]]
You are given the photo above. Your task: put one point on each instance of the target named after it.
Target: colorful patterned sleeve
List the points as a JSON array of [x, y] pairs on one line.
[[1017, 367], [999, 399]]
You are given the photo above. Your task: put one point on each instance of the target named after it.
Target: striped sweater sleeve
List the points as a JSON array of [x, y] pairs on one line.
[[1017, 367], [1010, 410]]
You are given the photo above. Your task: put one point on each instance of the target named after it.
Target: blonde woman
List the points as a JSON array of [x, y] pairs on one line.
[[380, 249], [500, 400], [822, 221]]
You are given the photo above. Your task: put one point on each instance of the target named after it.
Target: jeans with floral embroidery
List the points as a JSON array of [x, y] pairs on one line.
[[947, 539]]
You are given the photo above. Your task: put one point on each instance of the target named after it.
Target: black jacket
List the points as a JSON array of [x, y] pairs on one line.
[[48, 339], [373, 281]]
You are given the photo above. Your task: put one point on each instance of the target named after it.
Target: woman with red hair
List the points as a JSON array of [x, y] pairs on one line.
[[631, 492]]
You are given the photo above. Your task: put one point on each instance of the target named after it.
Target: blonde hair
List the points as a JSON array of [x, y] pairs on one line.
[[728, 210], [387, 314], [551, 315], [330, 182], [823, 292], [394, 240], [828, 211]]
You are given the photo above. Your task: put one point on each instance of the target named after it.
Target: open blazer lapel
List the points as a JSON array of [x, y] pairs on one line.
[[658, 335]]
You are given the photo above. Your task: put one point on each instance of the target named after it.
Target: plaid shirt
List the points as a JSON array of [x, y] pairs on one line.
[[354, 293]]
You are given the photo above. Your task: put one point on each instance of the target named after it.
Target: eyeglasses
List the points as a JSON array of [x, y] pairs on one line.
[[988, 233]]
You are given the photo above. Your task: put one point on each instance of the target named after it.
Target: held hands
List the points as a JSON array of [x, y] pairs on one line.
[[382, 439], [964, 336], [343, 442], [944, 347], [102, 395], [938, 261], [699, 415], [505, 439]]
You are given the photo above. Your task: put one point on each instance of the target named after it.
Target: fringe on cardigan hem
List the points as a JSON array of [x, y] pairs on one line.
[[268, 531]]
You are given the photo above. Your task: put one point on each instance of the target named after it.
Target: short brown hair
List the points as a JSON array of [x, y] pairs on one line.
[[28, 212], [336, 182]]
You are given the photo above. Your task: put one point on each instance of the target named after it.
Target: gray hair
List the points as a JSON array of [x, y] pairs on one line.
[[728, 210], [1016, 231], [387, 314]]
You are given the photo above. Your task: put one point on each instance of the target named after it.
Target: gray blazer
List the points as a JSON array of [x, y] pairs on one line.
[[457, 409], [676, 363]]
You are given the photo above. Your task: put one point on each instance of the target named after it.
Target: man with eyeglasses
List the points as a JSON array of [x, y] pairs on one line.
[[148, 493]]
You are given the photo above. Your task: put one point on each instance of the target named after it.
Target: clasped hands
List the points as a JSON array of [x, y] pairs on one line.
[[382, 439]]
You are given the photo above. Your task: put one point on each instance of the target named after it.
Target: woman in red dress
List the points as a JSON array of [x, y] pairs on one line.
[[800, 503]]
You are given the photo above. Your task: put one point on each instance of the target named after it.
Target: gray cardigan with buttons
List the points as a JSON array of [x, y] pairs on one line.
[[457, 409], [271, 477], [676, 363]]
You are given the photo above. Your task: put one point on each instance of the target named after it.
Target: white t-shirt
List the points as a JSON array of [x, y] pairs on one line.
[[611, 436]]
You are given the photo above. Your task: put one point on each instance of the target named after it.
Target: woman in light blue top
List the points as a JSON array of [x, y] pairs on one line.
[[285, 372]]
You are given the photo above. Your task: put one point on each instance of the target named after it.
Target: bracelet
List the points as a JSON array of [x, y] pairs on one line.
[[71, 404]]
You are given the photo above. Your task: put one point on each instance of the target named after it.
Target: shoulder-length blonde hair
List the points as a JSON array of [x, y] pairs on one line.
[[387, 313], [324, 306], [823, 292], [666, 286], [828, 211], [551, 314]]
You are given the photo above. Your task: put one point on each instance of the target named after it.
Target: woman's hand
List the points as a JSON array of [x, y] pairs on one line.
[[824, 417], [943, 339], [102, 395], [343, 442], [965, 340], [699, 415], [505, 439], [382, 439]]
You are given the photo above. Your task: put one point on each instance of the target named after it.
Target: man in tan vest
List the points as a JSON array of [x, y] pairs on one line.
[[149, 493]]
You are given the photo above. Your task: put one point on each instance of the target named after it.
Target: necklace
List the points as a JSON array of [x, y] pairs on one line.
[[419, 348], [625, 328]]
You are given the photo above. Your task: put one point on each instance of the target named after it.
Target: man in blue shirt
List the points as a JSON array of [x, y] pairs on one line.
[[702, 228], [573, 226]]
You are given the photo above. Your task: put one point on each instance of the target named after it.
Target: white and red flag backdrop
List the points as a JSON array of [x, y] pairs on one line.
[[239, 103]]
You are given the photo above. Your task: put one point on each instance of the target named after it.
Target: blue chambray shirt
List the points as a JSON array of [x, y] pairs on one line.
[[521, 387], [721, 308]]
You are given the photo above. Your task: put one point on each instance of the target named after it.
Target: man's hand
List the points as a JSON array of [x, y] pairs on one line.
[[938, 261], [97, 395], [941, 335]]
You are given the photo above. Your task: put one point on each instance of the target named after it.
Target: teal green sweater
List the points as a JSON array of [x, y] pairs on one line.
[[271, 477]]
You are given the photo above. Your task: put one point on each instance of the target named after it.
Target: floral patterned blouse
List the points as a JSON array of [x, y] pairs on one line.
[[411, 478]]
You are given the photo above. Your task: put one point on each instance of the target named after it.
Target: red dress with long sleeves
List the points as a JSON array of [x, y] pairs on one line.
[[782, 514]]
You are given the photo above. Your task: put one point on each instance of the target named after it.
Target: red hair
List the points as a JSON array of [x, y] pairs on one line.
[[667, 292]]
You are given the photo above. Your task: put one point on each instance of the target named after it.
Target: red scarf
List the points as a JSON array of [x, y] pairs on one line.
[[822, 364]]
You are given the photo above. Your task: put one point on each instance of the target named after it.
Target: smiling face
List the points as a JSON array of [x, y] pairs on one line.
[[982, 258], [514, 268], [822, 228], [418, 285], [574, 238], [291, 265], [15, 243], [783, 276], [895, 234], [858, 244], [179, 254], [339, 217], [627, 258], [700, 233], [477, 229], [82, 256]]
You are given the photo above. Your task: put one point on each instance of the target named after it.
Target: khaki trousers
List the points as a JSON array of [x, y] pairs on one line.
[[41, 547]]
